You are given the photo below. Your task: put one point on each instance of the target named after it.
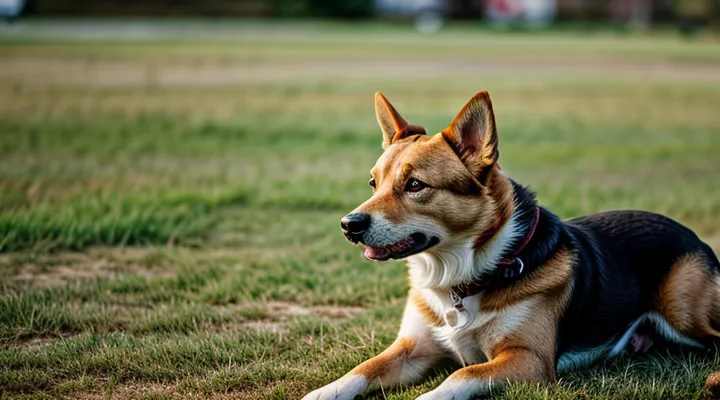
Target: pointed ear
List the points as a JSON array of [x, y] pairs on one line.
[[473, 135], [393, 126]]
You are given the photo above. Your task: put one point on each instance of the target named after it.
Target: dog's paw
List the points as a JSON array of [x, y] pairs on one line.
[[345, 388], [443, 393], [434, 395], [458, 389]]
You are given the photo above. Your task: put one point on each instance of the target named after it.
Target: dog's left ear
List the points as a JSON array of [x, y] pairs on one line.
[[473, 135], [394, 127]]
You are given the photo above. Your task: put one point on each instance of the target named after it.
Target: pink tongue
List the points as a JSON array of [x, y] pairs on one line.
[[376, 253]]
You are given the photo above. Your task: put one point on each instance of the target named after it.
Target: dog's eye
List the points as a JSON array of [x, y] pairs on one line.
[[371, 182], [414, 185]]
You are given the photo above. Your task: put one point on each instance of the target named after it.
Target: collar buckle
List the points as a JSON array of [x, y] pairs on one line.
[[514, 268], [456, 300]]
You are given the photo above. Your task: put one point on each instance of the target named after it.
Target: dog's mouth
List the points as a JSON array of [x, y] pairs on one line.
[[413, 244]]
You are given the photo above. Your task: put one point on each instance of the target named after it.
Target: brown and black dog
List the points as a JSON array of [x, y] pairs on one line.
[[503, 285]]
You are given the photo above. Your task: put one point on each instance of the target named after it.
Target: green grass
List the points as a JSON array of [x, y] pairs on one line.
[[169, 208]]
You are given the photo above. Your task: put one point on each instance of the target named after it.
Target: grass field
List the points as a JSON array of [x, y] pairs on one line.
[[169, 208]]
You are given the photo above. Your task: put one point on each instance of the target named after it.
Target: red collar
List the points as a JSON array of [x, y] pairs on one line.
[[511, 269], [528, 237]]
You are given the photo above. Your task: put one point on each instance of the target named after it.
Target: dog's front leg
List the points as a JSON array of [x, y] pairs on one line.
[[512, 364], [406, 360]]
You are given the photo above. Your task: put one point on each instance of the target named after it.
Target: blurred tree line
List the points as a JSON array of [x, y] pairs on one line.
[[324, 8], [256, 8], [579, 10]]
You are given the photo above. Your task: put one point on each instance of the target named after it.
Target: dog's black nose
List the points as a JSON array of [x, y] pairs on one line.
[[355, 224]]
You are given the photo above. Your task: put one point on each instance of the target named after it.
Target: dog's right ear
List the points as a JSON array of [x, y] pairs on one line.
[[473, 135], [393, 126]]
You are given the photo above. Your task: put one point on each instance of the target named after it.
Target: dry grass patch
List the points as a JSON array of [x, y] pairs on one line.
[[277, 316], [67, 267], [173, 390], [280, 310], [37, 343]]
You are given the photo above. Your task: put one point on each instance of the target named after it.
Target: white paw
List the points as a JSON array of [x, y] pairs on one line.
[[434, 395], [345, 388], [457, 390], [439, 394]]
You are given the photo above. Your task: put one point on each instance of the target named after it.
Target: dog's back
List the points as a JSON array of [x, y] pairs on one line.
[[648, 243], [635, 267]]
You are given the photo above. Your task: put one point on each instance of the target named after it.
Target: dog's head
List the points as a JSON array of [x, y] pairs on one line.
[[431, 192]]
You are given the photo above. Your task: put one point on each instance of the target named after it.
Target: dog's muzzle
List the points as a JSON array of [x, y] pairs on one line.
[[356, 225]]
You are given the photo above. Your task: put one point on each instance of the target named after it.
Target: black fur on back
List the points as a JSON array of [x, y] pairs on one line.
[[621, 259]]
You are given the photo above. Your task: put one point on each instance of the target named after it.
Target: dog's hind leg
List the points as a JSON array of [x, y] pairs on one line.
[[689, 302], [688, 298]]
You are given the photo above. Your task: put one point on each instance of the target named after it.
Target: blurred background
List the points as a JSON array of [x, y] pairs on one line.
[[428, 15], [173, 173]]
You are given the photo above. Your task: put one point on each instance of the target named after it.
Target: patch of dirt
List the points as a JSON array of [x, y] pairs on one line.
[[280, 310], [60, 275], [281, 313], [61, 269], [38, 342], [136, 390], [132, 391]]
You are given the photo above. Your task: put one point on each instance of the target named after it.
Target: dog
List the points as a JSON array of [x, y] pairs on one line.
[[503, 285]]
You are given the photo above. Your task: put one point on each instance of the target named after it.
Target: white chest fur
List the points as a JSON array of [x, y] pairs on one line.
[[472, 342]]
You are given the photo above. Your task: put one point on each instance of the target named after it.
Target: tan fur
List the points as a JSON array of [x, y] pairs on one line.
[[431, 160], [509, 363], [393, 126], [378, 366], [430, 316], [689, 299], [551, 289], [388, 118], [473, 134], [688, 296], [713, 384], [554, 277], [499, 189]]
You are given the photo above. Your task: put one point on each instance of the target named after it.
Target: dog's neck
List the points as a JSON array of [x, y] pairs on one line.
[[524, 214], [461, 263]]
